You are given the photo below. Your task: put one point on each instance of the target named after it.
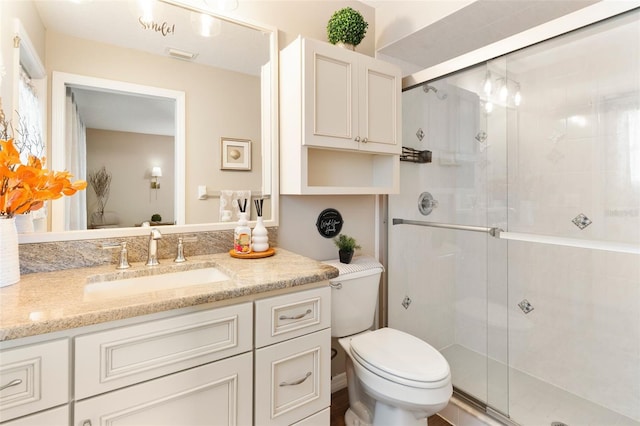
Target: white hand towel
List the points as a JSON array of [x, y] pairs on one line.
[[229, 209]]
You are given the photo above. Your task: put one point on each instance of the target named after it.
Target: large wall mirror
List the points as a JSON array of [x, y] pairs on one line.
[[176, 104]]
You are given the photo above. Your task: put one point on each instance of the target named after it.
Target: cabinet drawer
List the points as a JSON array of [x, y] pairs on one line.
[[218, 393], [123, 356], [293, 379], [54, 417], [291, 315], [34, 378]]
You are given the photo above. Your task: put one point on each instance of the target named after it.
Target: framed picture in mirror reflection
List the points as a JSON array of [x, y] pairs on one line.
[[236, 154]]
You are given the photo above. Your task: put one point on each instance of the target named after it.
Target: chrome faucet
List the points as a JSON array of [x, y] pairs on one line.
[[152, 255]]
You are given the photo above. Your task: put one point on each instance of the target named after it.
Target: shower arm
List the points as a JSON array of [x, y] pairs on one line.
[[494, 232]]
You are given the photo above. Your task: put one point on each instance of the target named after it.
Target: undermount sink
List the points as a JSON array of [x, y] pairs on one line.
[[155, 282]]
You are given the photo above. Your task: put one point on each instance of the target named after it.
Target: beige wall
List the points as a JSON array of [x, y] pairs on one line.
[[298, 214], [131, 196], [218, 103]]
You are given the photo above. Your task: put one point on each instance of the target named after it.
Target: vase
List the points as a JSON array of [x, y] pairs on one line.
[[260, 236], [24, 223], [345, 256], [346, 45], [9, 260]]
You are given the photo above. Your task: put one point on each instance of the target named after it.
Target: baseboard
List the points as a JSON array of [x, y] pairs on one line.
[[338, 382]]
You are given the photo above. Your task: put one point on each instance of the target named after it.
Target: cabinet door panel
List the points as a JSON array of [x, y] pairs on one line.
[[34, 378], [331, 96], [380, 108], [219, 393]]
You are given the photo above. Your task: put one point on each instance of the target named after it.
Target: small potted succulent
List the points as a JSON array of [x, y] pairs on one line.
[[346, 246], [346, 27], [156, 217]]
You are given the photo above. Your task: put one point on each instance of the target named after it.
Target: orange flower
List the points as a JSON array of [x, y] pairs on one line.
[[25, 187]]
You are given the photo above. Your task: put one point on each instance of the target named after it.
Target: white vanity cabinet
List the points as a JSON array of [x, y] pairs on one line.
[[340, 121], [260, 362], [293, 358], [145, 355], [34, 378]]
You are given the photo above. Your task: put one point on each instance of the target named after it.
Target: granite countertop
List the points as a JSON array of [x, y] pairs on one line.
[[53, 301]]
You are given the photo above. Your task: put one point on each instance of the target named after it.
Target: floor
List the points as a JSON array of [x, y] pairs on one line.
[[340, 403], [529, 401]]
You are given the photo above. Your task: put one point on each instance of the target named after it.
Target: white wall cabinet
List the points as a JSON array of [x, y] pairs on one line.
[[340, 121]]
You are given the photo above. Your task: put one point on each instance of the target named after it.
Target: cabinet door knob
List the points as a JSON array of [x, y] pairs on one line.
[[295, 317], [365, 140], [86, 423], [12, 383], [357, 139], [297, 382]]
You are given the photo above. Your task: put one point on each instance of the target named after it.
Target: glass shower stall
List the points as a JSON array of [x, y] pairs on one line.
[[516, 250]]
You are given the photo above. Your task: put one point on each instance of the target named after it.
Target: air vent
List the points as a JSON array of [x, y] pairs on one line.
[[181, 54]]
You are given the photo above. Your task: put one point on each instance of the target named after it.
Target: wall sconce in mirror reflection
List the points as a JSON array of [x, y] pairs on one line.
[[156, 172]]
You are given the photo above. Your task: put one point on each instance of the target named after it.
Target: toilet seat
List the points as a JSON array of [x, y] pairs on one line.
[[400, 358]]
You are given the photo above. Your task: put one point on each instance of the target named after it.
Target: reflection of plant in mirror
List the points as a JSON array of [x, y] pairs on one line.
[[101, 183]]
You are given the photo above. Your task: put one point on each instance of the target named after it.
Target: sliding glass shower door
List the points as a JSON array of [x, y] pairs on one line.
[[448, 279]]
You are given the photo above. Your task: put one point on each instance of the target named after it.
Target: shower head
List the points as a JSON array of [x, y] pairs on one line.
[[428, 88]]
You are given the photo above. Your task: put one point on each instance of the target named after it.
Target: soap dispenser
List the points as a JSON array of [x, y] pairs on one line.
[[242, 233]]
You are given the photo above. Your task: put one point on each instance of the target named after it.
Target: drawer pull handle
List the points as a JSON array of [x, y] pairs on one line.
[[337, 286], [12, 383], [295, 317], [297, 382]]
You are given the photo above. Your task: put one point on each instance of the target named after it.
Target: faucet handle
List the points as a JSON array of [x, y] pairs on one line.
[[180, 255], [123, 263]]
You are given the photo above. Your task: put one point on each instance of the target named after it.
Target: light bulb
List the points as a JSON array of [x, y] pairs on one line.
[[487, 84], [488, 107], [517, 98], [504, 92]]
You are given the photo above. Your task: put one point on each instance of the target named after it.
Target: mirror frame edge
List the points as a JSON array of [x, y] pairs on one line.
[[274, 133]]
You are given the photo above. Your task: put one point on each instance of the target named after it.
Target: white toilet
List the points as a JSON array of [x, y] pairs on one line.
[[393, 378]]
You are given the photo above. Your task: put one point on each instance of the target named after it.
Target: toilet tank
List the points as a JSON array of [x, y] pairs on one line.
[[354, 295]]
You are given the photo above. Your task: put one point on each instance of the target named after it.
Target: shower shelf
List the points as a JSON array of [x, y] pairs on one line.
[[415, 156]]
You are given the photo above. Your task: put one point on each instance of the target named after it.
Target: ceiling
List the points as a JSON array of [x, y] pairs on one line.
[[477, 25]]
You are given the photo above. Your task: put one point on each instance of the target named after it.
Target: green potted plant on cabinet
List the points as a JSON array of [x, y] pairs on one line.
[[346, 27], [346, 246]]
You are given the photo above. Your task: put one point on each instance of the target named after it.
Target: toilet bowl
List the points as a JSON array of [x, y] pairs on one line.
[[393, 378], [405, 379]]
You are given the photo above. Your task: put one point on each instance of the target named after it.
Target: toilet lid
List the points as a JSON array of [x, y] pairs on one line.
[[400, 357]]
